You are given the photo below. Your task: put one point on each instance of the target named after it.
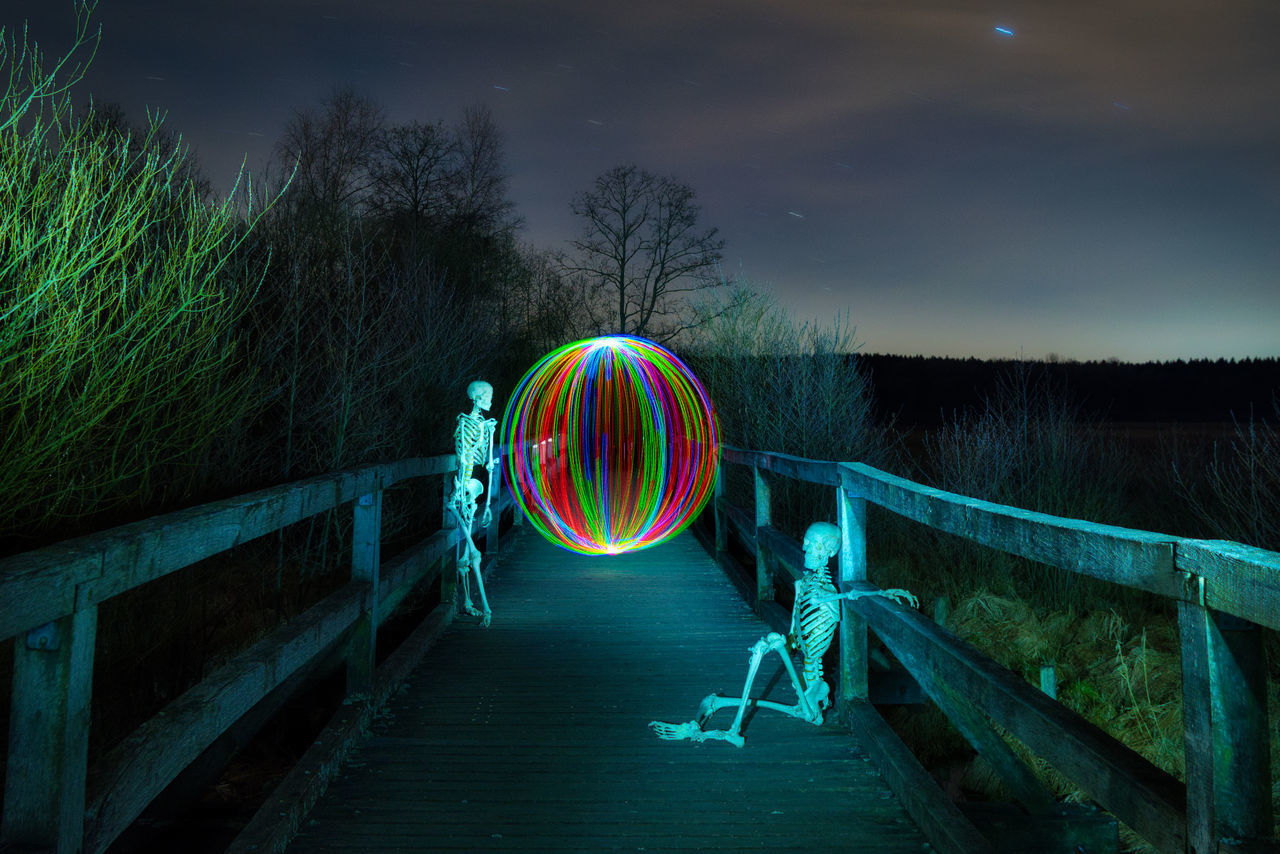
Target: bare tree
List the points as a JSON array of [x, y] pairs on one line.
[[478, 187], [641, 248], [333, 149], [412, 173]]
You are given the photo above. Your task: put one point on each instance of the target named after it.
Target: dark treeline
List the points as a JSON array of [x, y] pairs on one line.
[[926, 391]]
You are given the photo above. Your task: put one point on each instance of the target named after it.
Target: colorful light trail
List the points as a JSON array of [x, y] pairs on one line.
[[613, 445]]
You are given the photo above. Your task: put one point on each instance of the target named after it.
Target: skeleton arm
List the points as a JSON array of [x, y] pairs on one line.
[[895, 594], [490, 463]]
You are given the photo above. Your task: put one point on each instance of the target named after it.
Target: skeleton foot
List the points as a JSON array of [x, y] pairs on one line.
[[677, 732], [819, 696], [691, 731]]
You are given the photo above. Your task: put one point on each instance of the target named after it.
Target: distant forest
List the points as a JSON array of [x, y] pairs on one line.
[[923, 391]]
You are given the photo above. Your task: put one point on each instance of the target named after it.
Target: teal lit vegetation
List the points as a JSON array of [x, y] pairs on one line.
[[160, 349], [792, 387]]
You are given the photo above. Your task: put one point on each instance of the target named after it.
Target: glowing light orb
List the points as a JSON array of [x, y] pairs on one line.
[[612, 444]]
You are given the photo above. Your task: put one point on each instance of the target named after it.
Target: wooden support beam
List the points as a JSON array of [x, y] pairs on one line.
[[764, 516], [1149, 800], [942, 823], [139, 768], [366, 547], [717, 506], [49, 734], [852, 513], [1224, 714]]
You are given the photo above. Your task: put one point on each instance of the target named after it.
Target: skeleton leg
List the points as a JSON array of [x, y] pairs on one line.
[[486, 615], [693, 731], [468, 564]]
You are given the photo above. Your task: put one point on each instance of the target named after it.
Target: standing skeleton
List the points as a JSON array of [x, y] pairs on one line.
[[814, 619], [473, 446]]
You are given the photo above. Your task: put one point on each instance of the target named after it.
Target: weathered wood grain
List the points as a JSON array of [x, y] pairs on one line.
[[1197, 725], [740, 520], [141, 766], [49, 734], [531, 735], [764, 511], [941, 821], [814, 471], [1238, 579], [41, 585], [1125, 556]]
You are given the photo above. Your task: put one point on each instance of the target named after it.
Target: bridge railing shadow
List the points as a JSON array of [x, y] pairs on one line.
[[1224, 592], [49, 600]]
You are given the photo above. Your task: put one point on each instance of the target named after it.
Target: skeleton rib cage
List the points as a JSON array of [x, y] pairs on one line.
[[472, 442], [813, 623]]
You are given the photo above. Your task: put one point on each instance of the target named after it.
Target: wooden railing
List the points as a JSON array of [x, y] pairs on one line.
[[49, 602], [1224, 592]]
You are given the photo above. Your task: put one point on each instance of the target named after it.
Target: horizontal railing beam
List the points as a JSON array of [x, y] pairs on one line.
[[799, 468], [1234, 578], [142, 765], [1141, 795], [42, 585], [1124, 556]]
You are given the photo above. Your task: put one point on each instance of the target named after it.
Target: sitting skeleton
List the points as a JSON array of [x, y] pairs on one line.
[[814, 618], [473, 446]]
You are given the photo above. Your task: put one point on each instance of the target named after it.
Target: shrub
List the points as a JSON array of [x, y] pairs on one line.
[[117, 303]]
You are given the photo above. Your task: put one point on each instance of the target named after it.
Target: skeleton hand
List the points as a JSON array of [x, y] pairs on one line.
[[901, 596], [487, 519], [486, 619]]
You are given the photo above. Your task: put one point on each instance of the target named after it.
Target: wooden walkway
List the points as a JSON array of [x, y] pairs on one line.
[[532, 735]]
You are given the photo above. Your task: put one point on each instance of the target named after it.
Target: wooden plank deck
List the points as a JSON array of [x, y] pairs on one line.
[[532, 735]]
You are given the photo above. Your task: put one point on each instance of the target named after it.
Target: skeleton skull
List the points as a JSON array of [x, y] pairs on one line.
[[481, 394], [821, 541]]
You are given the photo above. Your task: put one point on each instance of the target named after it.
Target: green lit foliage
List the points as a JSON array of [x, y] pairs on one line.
[[117, 301]]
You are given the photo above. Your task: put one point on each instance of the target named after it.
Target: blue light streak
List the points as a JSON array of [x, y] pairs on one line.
[[1004, 31]]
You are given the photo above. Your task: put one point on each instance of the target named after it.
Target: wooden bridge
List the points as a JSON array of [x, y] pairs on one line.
[[531, 735]]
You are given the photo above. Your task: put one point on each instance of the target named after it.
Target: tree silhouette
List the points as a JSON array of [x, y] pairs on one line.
[[333, 149], [640, 249], [411, 173]]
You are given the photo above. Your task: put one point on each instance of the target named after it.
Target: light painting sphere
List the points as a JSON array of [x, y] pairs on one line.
[[612, 445]]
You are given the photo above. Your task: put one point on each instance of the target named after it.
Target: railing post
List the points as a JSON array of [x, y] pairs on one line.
[[495, 510], [365, 548], [1226, 728], [764, 514], [448, 560], [517, 518], [852, 512], [44, 792], [446, 490], [717, 500]]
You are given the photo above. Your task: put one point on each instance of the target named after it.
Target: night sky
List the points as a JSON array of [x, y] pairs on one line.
[[1103, 182]]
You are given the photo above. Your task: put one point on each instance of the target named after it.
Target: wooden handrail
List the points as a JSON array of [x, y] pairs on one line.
[[49, 600], [1224, 590]]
